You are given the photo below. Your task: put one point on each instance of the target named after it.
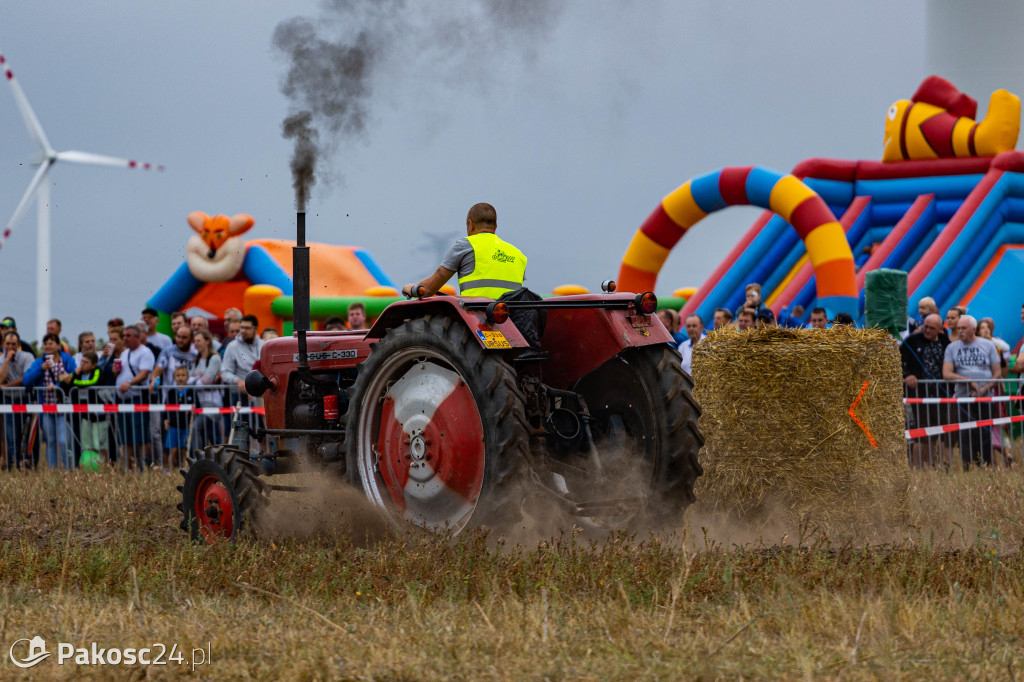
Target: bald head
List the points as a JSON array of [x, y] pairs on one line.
[[931, 327], [481, 218]]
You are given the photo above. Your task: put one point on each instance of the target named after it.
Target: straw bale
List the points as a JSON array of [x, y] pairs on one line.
[[779, 440]]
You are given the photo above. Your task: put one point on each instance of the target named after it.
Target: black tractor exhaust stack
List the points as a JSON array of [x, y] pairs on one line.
[[300, 292]]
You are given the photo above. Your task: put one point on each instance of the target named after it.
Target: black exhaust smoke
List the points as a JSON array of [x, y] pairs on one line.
[[338, 60]]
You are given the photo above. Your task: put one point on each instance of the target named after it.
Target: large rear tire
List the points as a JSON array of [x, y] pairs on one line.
[[644, 426], [221, 495], [436, 428]]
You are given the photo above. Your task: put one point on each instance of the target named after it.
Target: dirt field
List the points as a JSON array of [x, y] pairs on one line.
[[99, 559]]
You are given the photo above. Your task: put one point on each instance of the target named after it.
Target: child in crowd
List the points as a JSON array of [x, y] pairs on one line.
[[93, 426], [176, 423]]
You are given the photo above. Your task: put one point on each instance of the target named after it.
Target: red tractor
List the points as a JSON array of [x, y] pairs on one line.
[[444, 417]]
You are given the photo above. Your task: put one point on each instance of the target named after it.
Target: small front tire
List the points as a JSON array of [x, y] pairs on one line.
[[221, 495]]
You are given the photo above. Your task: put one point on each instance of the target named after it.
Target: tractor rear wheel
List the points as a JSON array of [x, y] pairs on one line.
[[221, 494], [437, 428], [643, 420]]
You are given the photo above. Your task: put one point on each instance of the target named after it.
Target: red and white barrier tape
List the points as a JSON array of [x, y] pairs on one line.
[[950, 401], [964, 426], [121, 408]]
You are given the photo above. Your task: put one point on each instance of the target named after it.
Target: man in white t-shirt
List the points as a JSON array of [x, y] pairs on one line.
[[133, 367], [695, 332], [151, 316], [974, 363]]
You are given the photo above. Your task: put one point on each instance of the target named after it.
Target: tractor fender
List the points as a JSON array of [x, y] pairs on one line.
[[448, 306]]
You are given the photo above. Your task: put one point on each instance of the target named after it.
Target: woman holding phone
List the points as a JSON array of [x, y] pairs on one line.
[[45, 375]]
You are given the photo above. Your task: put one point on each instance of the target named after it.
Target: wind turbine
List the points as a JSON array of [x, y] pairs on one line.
[[45, 159]]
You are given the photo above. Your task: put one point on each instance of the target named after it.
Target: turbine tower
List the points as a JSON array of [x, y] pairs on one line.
[[45, 159]]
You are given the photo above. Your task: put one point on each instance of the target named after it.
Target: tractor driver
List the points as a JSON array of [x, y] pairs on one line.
[[488, 267]]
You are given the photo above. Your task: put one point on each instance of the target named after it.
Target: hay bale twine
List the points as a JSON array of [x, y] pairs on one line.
[[779, 439]]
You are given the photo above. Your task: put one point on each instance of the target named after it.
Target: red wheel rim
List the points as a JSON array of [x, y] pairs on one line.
[[213, 510], [430, 446]]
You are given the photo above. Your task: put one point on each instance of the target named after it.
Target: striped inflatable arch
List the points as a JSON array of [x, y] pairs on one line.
[[786, 195]]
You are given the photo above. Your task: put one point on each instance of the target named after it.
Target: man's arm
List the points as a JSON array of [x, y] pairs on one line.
[[158, 369], [909, 378], [947, 372], [136, 380], [995, 365], [431, 283], [5, 368], [997, 373]]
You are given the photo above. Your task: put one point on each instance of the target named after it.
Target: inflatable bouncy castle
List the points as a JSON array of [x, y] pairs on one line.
[[945, 204], [221, 271]]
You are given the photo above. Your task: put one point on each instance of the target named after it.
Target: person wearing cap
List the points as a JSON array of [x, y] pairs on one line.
[[334, 323], [845, 319], [766, 318], [9, 325], [150, 316], [115, 322]]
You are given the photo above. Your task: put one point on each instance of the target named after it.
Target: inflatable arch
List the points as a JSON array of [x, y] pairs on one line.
[[786, 195]]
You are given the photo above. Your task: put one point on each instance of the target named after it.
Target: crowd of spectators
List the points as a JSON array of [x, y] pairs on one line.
[[956, 356], [137, 364], [962, 358]]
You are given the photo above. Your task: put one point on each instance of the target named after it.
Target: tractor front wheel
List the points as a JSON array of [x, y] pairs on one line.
[[221, 494]]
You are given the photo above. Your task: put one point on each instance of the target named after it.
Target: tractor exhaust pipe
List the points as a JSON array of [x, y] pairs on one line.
[[300, 292]]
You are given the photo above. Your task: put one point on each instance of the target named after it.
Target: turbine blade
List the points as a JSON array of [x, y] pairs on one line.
[[35, 130], [37, 180], [88, 157]]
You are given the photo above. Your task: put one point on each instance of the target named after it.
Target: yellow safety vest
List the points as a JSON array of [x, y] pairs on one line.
[[500, 267]]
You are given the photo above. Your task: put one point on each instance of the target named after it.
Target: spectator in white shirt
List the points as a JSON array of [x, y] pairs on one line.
[[695, 332]]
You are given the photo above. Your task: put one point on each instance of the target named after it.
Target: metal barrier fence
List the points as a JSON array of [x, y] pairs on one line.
[[946, 426], [137, 430], [156, 429]]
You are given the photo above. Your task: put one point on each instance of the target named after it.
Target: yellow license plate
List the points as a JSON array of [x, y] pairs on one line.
[[494, 339]]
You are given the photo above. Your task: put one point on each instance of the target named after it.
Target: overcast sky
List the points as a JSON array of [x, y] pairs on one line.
[[574, 130]]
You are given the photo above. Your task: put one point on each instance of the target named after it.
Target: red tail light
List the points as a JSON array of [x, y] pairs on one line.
[[497, 312]]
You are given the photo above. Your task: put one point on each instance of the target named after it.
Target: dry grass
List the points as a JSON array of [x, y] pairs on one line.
[[99, 558]]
